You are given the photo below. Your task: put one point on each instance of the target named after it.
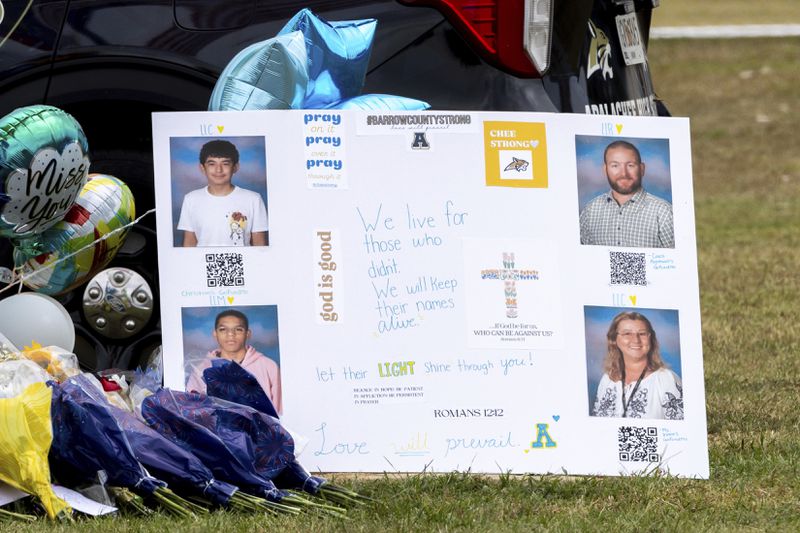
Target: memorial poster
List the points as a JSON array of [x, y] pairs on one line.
[[438, 291]]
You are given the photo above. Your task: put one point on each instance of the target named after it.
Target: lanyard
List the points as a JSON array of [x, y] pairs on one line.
[[635, 388]]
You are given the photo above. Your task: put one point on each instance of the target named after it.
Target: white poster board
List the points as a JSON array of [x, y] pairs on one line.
[[425, 296]]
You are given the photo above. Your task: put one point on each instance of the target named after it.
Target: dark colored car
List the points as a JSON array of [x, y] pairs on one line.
[[110, 63]]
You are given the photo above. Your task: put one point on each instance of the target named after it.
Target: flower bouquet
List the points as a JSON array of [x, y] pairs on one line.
[[25, 438], [166, 460], [228, 381], [87, 439], [239, 444], [166, 410]]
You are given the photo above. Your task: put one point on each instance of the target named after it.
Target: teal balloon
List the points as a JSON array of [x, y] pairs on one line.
[[271, 74], [338, 56], [43, 167], [382, 102]]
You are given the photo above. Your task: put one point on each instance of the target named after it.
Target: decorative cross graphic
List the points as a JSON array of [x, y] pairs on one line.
[[510, 275]]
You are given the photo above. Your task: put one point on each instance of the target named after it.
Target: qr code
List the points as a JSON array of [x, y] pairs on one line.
[[224, 270], [628, 269], [638, 444]]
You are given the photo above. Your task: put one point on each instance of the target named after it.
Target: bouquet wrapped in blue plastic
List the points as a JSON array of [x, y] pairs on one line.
[[162, 457], [228, 381], [171, 463], [234, 441], [87, 439]]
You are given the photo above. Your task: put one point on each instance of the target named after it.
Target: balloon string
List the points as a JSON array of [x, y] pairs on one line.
[[17, 273], [20, 278]]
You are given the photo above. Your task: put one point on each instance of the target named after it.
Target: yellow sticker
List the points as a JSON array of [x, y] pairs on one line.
[[220, 128], [619, 128], [230, 300], [516, 154]]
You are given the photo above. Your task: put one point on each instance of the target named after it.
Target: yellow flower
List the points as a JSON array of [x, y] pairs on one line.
[[48, 360], [25, 437]]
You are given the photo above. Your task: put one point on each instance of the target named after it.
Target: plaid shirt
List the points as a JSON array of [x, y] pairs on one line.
[[644, 221]]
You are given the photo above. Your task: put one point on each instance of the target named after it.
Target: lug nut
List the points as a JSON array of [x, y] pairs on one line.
[[129, 324], [94, 293], [100, 322], [119, 277]]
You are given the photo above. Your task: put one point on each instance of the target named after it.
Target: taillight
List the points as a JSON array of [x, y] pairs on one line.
[[514, 35]]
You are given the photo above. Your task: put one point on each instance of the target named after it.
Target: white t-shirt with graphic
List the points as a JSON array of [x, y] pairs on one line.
[[223, 220]]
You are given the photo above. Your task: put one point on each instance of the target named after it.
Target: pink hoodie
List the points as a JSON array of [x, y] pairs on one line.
[[264, 369]]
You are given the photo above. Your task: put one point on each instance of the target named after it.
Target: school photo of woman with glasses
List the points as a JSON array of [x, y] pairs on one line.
[[636, 382]]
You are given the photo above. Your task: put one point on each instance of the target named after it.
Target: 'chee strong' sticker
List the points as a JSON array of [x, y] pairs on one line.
[[516, 154]]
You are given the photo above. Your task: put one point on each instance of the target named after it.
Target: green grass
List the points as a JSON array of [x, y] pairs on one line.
[[704, 12], [747, 188], [742, 99]]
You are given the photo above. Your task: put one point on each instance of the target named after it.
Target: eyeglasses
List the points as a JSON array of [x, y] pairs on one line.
[[630, 335], [237, 331]]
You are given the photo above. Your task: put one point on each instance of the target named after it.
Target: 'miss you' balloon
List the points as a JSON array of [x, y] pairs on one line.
[[43, 166], [104, 205]]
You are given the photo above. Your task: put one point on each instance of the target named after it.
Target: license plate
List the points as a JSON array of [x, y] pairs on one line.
[[630, 40]]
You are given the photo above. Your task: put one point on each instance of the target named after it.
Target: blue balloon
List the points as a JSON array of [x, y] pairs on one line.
[[271, 74], [382, 102], [338, 56], [43, 167], [311, 64]]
